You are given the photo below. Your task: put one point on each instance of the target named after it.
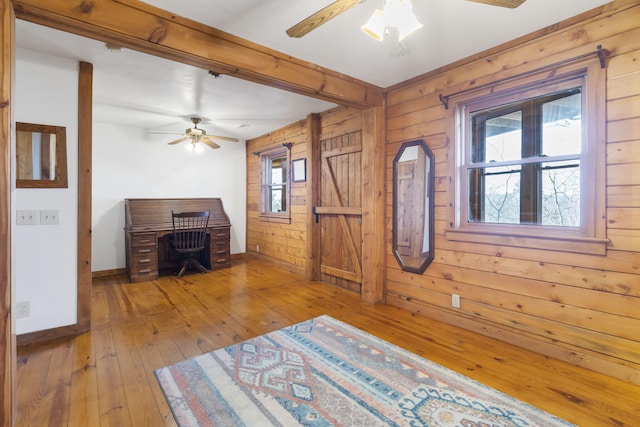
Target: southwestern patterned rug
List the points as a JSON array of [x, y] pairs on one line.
[[323, 372]]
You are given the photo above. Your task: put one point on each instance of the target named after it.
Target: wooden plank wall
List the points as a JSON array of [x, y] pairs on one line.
[[285, 243], [575, 307]]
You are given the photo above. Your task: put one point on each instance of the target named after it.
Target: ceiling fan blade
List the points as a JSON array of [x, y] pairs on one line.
[[223, 138], [177, 141], [320, 17], [210, 143], [512, 4]]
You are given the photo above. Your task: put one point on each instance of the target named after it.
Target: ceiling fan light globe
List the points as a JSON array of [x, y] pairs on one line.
[[396, 14], [375, 26], [399, 14], [194, 147], [409, 28]]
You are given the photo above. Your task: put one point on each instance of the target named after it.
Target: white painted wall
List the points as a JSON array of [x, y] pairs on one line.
[[45, 261], [130, 163], [127, 163]]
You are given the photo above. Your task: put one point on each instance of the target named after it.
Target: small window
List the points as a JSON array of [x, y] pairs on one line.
[[530, 161], [275, 184]]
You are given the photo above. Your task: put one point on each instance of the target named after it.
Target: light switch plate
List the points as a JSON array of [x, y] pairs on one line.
[[26, 217], [50, 217]]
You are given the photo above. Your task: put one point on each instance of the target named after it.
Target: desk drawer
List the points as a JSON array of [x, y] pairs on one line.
[[144, 266], [217, 244], [144, 252], [146, 239], [145, 259], [220, 234], [220, 261], [220, 255]]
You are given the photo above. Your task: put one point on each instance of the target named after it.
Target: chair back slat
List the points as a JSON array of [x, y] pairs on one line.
[[190, 230]]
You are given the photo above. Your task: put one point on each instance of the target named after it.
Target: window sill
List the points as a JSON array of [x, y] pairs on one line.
[[277, 219], [575, 244]]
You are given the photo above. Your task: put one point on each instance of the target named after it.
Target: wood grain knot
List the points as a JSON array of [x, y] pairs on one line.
[[87, 6], [158, 33]]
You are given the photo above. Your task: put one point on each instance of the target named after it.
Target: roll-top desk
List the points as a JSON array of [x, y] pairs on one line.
[[148, 222]]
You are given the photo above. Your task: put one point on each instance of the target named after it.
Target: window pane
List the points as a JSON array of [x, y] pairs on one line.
[[274, 179], [562, 126], [504, 138], [561, 194], [495, 196], [278, 170], [275, 199]]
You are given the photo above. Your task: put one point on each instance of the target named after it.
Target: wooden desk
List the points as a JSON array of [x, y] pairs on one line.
[[148, 221]]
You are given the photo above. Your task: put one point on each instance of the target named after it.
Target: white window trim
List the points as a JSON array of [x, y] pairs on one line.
[[590, 237]]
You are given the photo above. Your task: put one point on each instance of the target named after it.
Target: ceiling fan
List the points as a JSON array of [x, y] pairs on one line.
[[197, 135], [339, 6]]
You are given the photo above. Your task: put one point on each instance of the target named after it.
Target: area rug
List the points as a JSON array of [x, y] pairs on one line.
[[323, 372]]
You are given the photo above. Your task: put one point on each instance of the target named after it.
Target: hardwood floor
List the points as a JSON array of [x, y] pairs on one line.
[[105, 377]]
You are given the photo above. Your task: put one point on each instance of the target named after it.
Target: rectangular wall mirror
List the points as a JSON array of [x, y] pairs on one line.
[[41, 156]]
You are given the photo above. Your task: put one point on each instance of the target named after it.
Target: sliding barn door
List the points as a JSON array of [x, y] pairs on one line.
[[339, 212]]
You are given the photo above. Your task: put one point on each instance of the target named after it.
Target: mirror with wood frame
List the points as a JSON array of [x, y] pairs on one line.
[[41, 156], [413, 206]]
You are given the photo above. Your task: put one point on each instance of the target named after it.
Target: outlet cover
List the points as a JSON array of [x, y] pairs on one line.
[[23, 309], [50, 217], [455, 300], [26, 217]]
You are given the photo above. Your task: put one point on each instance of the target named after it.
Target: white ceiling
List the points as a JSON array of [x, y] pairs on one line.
[[134, 89]]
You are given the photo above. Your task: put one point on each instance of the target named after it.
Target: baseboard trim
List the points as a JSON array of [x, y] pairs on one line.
[[120, 271], [50, 334], [277, 262], [107, 273]]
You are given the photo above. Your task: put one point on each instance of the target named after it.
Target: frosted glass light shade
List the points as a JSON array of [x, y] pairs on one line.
[[396, 14], [375, 26]]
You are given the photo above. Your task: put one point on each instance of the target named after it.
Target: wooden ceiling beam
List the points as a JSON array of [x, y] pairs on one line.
[[139, 26]]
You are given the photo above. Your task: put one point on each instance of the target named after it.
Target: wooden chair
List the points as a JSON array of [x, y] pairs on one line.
[[190, 237]]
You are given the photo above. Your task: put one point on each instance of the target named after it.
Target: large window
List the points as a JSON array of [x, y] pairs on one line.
[[274, 184], [530, 161], [524, 165]]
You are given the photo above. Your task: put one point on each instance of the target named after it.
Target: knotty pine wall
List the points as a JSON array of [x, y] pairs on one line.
[[581, 308], [286, 243]]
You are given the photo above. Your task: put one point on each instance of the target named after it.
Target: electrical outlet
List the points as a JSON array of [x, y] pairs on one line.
[[257, 248], [23, 309], [26, 217], [50, 217], [455, 300]]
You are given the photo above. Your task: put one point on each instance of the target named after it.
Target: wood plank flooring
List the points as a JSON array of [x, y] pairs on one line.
[[105, 377]]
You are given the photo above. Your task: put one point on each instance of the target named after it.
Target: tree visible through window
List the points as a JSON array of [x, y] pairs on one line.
[[525, 161], [529, 159]]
